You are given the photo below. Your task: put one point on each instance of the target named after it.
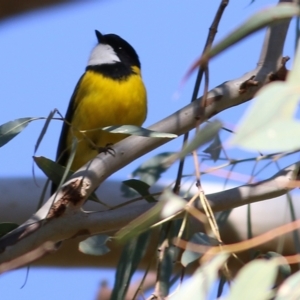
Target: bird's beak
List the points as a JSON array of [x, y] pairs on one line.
[[99, 36]]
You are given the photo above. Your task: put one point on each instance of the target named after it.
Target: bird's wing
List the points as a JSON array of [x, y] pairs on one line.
[[63, 150]]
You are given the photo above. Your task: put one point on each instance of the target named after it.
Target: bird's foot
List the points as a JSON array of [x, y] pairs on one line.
[[106, 149]]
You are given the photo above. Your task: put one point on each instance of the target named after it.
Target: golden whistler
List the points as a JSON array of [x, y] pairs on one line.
[[110, 92]]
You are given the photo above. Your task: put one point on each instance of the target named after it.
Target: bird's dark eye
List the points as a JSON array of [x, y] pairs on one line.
[[120, 48]]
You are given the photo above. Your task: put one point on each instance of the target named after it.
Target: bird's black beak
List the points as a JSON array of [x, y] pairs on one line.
[[99, 36]]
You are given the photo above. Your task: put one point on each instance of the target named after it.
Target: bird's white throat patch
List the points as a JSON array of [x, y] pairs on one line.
[[103, 54]]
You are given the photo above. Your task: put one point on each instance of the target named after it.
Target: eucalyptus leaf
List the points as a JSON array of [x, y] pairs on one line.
[[279, 137], [274, 128], [51, 169], [166, 269], [284, 268], [215, 148], [11, 129], [95, 245], [290, 288], [199, 238], [201, 282], [203, 136], [149, 172], [256, 278], [141, 187], [130, 258], [266, 17], [139, 131], [168, 205], [173, 203], [44, 130]]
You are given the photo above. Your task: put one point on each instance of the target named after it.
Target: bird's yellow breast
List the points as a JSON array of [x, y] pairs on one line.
[[102, 101]]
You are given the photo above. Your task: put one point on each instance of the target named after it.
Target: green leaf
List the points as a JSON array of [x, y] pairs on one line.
[[139, 131], [203, 136], [141, 187], [284, 268], [173, 204], [214, 149], [95, 245], [168, 205], [255, 280], [44, 130], [130, 258], [198, 238], [10, 129], [290, 288], [7, 227], [266, 17], [170, 255], [149, 172], [200, 284], [273, 129], [51, 169]]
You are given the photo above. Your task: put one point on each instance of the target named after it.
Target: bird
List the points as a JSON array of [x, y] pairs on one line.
[[110, 92]]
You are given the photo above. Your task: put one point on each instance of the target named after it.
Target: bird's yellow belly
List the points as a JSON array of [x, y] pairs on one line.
[[101, 102]]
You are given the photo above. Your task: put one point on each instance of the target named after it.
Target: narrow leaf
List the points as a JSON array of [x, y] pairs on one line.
[[168, 205], [10, 129], [44, 130], [274, 128], [198, 238], [130, 258], [260, 274], [203, 136], [290, 288], [141, 187], [284, 268], [51, 169], [139, 131], [201, 283], [173, 204], [214, 149], [170, 255], [266, 17], [149, 172], [95, 245]]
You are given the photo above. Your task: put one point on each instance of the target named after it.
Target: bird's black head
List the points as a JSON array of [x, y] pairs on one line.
[[112, 48]]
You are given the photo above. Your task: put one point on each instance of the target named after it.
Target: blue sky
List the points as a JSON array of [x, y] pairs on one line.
[[44, 53]]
